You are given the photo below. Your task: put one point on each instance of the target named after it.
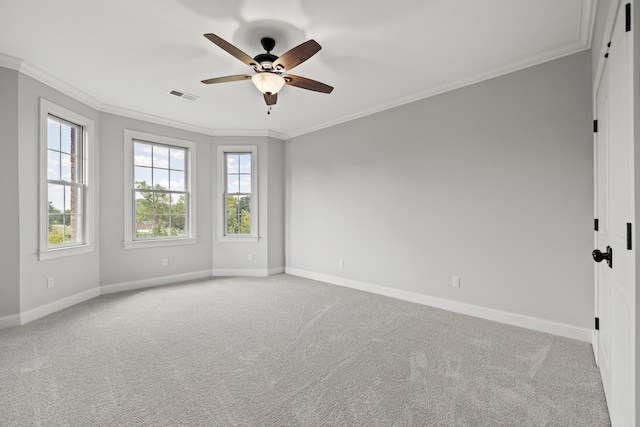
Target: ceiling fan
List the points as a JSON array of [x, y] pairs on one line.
[[271, 71]]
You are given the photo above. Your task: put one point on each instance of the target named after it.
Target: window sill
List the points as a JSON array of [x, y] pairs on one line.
[[64, 252], [238, 239], [140, 244]]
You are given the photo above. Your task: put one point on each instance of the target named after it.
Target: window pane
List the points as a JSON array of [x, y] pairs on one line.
[[53, 165], [144, 203], [233, 184], [141, 154], [232, 225], [66, 138], [72, 200], [245, 183], [178, 204], [56, 198], [143, 177], [232, 215], [72, 228], [53, 134], [233, 163], [176, 159], [163, 228], [245, 163], [176, 180], [245, 224], [160, 179], [244, 205], [56, 230], [144, 226], [160, 157], [162, 203], [67, 199], [232, 206], [178, 223], [65, 172]]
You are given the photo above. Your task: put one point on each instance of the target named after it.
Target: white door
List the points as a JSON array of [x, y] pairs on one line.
[[615, 284]]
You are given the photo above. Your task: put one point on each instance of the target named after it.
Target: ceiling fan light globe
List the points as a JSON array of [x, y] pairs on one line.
[[268, 82]]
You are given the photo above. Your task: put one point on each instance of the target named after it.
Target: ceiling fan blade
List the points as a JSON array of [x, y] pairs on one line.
[[297, 55], [305, 83], [271, 99], [226, 79], [225, 45]]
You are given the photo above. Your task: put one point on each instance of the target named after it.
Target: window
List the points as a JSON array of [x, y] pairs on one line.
[[158, 195], [237, 193], [66, 199]]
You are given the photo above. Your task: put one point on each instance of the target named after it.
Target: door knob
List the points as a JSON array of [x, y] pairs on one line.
[[598, 256]]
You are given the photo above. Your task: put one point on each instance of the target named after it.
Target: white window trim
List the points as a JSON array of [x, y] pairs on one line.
[[89, 159], [221, 203], [129, 241]]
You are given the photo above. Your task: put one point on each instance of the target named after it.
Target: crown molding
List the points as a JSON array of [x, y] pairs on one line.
[[10, 62], [514, 65], [582, 42], [23, 67]]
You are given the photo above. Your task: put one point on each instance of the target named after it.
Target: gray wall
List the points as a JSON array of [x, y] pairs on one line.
[[119, 265], [275, 208], [10, 241], [73, 274], [491, 182]]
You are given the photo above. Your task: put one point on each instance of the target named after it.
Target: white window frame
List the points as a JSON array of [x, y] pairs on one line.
[[222, 184], [130, 242], [89, 183]]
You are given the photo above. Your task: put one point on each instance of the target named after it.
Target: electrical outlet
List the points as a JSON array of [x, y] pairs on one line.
[[50, 283], [250, 257], [165, 262], [341, 263], [456, 282]]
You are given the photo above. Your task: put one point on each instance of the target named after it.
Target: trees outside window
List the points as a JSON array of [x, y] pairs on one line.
[[159, 190], [159, 179], [67, 180], [237, 193]]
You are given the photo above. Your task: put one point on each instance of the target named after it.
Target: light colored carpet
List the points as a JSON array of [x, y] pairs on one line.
[[287, 351]]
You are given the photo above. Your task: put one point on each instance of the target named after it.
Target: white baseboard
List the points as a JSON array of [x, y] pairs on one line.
[[257, 272], [536, 324], [9, 321], [157, 281], [52, 307]]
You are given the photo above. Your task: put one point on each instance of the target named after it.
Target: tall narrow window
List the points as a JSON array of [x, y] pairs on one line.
[[67, 171], [65, 183], [160, 194], [238, 195], [159, 190], [237, 192]]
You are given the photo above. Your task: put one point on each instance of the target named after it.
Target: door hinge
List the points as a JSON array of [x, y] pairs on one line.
[[595, 126], [629, 236], [627, 16], [597, 324], [595, 224]]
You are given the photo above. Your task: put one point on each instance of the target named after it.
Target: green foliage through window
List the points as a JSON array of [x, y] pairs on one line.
[[238, 176], [160, 191]]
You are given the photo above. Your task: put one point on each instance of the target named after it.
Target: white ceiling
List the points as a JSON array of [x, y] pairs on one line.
[[123, 56]]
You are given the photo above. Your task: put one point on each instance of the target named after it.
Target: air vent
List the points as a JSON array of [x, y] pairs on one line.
[[183, 95]]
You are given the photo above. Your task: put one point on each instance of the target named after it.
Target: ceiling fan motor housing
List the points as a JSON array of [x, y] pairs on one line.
[[266, 59]]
